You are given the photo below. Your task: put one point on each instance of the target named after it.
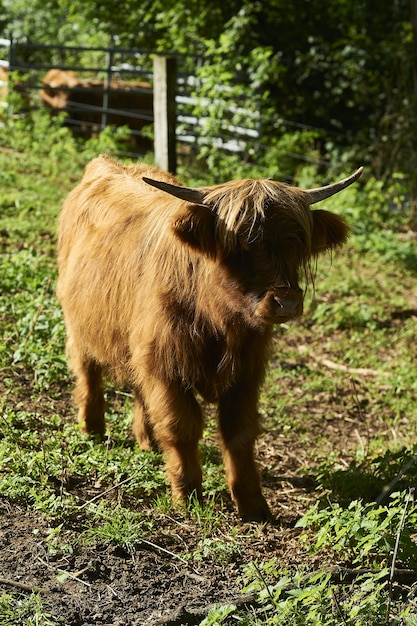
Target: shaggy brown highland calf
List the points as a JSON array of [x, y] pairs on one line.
[[176, 291]]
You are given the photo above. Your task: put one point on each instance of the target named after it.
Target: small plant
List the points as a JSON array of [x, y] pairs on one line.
[[117, 525], [219, 549], [218, 614], [206, 516], [16, 610]]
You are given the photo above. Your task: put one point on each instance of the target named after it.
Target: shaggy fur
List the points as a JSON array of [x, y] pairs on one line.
[[177, 298]]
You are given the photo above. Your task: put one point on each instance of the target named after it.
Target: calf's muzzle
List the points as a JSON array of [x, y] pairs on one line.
[[280, 305]]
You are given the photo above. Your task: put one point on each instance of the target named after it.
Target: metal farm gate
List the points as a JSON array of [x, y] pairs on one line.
[[132, 87]]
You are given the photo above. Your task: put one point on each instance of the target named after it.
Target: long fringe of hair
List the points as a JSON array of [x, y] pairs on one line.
[[241, 207]]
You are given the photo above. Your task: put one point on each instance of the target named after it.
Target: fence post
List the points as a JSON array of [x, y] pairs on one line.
[[164, 111], [106, 88]]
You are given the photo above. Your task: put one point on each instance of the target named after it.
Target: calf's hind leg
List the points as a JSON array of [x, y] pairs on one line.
[[141, 427], [88, 393]]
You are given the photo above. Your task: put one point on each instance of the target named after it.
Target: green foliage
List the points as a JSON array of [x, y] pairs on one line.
[[36, 467], [40, 160], [364, 534], [62, 22], [16, 610], [233, 87], [50, 147], [311, 599], [155, 24], [218, 614], [346, 68]]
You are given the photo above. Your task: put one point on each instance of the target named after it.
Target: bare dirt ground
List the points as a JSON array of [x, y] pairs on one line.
[[106, 586], [152, 587]]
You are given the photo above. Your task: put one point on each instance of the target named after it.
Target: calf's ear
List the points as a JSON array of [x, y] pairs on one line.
[[329, 231], [196, 227]]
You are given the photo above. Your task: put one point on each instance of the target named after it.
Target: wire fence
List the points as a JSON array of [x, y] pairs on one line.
[[114, 86]]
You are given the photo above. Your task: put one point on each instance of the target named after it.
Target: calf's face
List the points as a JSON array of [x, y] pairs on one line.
[[269, 269], [264, 235]]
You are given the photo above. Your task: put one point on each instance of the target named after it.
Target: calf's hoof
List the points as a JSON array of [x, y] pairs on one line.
[[96, 431], [257, 511]]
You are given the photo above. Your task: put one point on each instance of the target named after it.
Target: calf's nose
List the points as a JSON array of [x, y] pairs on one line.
[[280, 305], [289, 301]]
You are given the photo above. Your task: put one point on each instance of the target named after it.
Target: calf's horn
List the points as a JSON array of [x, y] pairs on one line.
[[184, 193], [321, 193], [197, 196]]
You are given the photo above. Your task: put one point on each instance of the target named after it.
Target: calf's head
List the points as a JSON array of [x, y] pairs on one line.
[[265, 236]]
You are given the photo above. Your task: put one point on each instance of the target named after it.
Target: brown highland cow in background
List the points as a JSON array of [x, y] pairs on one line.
[[128, 104], [176, 291]]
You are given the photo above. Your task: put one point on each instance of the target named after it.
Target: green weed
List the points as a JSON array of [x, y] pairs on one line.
[[364, 534], [219, 547], [312, 598], [116, 524], [217, 615], [16, 609]]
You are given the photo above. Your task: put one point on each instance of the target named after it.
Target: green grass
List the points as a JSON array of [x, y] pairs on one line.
[[352, 357], [16, 610]]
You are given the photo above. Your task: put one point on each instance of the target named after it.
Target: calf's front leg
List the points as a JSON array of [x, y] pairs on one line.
[[174, 418], [239, 426]]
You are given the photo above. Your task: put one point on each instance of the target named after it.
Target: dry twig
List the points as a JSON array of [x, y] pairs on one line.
[[112, 488], [341, 367], [74, 576], [358, 371], [19, 585]]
